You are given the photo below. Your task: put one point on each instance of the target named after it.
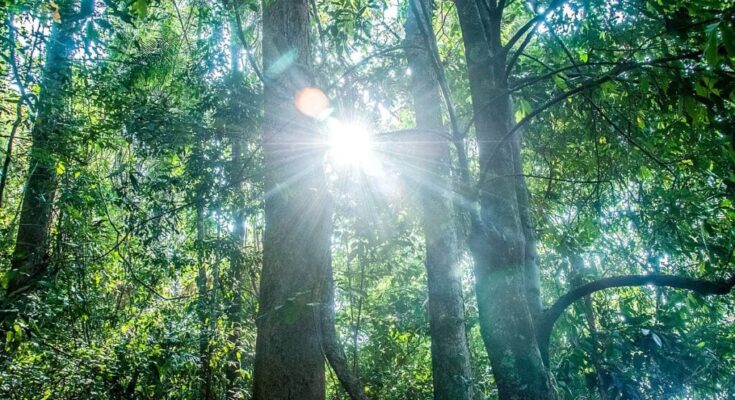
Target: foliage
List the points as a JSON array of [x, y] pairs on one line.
[[634, 174]]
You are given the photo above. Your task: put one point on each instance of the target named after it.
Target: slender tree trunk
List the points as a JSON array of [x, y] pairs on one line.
[[238, 236], [29, 262], [331, 345], [452, 376], [203, 311], [289, 363], [18, 108], [501, 239], [577, 270]]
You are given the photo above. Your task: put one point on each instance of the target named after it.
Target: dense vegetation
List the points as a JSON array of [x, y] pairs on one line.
[[367, 199]]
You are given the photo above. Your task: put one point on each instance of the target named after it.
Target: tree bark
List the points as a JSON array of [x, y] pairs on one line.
[[501, 239], [452, 377], [289, 363]]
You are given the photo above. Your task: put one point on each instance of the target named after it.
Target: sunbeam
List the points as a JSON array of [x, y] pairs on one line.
[[351, 145]]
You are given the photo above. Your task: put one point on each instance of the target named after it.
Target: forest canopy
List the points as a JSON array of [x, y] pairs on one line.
[[367, 199]]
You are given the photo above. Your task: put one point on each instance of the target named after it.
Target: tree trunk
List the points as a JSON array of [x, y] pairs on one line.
[[203, 310], [237, 270], [289, 363], [576, 264], [501, 239], [452, 376], [29, 262], [331, 344]]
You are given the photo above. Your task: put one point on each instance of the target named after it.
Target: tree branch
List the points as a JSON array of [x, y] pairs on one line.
[[702, 286], [241, 35], [532, 25], [18, 107], [624, 66], [423, 21]]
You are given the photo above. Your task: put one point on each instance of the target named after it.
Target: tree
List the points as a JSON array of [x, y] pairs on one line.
[[577, 153], [500, 240], [29, 264], [515, 329], [452, 376], [235, 131], [289, 362]]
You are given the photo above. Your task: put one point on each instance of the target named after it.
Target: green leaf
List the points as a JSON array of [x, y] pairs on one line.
[[60, 168], [644, 173], [711, 53], [524, 107], [644, 84], [640, 121], [584, 56], [140, 8], [701, 90], [560, 82]]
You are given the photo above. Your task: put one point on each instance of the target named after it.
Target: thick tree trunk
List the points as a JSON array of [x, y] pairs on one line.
[[289, 363], [29, 263], [501, 240], [452, 376]]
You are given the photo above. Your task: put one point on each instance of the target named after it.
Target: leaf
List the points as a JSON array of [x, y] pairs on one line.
[[140, 8], [694, 109], [656, 339], [60, 168], [641, 122], [524, 107], [644, 173], [644, 84], [559, 81], [519, 115], [711, 54], [701, 90], [584, 56]]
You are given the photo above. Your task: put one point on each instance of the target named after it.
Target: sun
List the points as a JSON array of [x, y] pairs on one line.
[[349, 144]]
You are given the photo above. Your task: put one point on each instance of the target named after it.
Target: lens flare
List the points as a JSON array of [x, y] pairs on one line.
[[312, 102], [350, 145]]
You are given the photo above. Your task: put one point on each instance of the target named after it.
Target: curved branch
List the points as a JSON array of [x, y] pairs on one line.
[[701, 286]]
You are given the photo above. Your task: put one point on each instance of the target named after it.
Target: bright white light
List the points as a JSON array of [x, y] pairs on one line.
[[349, 144]]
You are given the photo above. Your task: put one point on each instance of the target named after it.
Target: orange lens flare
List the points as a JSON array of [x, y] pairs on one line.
[[312, 102]]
